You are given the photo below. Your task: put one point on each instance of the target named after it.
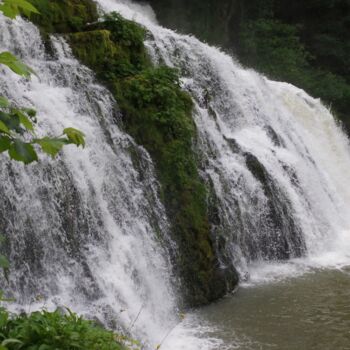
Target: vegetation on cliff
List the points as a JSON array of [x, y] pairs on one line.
[[158, 114], [64, 16]]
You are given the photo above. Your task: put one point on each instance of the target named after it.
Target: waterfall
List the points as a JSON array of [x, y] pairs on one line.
[[88, 230], [275, 157]]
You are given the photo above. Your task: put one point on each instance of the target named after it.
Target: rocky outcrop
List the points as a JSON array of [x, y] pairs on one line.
[[158, 114]]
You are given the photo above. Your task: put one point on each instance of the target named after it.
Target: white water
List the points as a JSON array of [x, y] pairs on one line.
[[293, 136], [81, 229], [309, 164]]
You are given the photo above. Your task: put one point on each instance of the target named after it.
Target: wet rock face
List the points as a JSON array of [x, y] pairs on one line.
[[285, 239], [25, 218]]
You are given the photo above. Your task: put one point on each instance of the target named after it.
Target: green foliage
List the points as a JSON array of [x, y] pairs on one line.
[[12, 8], [74, 136], [22, 151], [15, 64], [94, 47], [114, 47], [274, 48], [52, 330], [51, 146], [125, 32], [17, 135], [63, 16], [156, 91], [158, 114]]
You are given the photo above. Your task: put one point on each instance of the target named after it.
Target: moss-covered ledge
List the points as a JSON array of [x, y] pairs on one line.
[[93, 46], [64, 16]]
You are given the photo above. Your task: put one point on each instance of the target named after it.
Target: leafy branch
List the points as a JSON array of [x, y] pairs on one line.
[[17, 133], [12, 8], [12, 62]]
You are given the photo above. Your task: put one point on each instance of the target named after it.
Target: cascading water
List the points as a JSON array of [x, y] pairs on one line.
[[81, 230], [274, 157]]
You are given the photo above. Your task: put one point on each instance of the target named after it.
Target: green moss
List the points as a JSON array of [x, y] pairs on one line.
[[54, 330], [127, 55], [94, 46], [158, 114], [64, 16]]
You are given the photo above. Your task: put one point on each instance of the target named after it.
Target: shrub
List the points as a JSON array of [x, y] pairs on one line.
[[52, 331]]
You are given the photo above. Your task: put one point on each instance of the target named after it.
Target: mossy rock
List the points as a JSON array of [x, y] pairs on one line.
[[92, 47], [64, 16]]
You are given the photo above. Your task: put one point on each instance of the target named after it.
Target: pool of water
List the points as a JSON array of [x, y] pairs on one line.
[[304, 312]]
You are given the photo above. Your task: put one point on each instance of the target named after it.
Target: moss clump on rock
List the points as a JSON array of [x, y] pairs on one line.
[[121, 44], [158, 114], [64, 16], [94, 47]]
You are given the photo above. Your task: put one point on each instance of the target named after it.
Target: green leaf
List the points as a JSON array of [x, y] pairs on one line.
[[9, 11], [45, 347], [24, 5], [51, 146], [75, 136], [30, 111], [5, 143], [12, 8], [22, 152], [24, 120], [15, 64], [3, 127], [11, 341], [4, 103], [11, 120], [4, 263]]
